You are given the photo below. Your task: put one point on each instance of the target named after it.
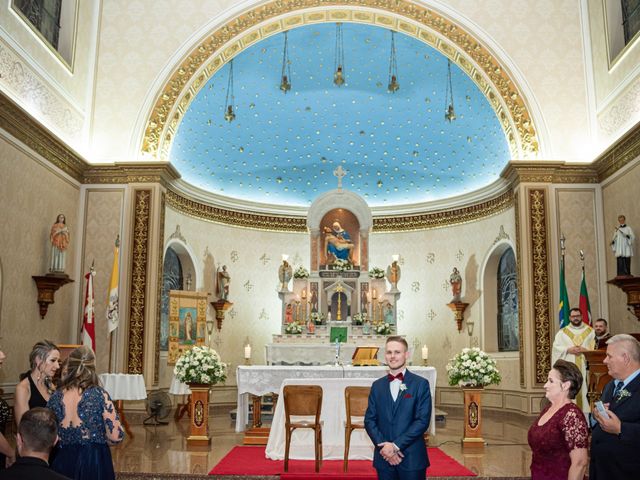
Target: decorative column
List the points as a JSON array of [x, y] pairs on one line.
[[473, 417]]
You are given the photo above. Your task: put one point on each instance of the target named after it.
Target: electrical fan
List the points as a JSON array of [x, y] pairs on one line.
[[158, 406]]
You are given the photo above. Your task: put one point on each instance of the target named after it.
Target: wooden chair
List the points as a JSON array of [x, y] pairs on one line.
[[356, 400], [303, 400]]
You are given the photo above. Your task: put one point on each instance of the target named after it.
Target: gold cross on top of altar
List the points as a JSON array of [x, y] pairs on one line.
[[340, 173], [339, 288]]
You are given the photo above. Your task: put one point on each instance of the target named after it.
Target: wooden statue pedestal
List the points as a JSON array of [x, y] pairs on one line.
[[472, 418], [199, 407]]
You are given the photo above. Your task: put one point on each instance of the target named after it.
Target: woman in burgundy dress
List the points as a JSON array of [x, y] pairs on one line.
[[558, 437]]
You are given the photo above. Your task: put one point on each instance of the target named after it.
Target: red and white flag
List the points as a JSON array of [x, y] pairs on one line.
[[89, 320]]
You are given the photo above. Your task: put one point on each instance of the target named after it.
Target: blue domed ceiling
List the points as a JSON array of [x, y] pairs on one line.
[[397, 148]]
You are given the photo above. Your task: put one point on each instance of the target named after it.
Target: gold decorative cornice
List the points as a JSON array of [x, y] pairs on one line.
[[444, 218], [537, 206], [521, 351], [196, 209], [421, 221], [619, 154], [139, 172], [18, 123], [425, 24], [542, 171]]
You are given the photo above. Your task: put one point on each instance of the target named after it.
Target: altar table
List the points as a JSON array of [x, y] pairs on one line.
[[318, 353], [333, 417], [263, 379]]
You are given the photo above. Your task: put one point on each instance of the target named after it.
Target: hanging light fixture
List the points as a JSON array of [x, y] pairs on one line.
[[229, 108], [393, 85], [338, 64], [285, 82], [450, 113]]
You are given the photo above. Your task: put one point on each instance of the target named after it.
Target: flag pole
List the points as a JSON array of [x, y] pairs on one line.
[[113, 300]]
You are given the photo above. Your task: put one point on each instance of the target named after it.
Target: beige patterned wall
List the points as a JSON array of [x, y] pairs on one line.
[[427, 258], [103, 212], [32, 195], [620, 196], [577, 220]]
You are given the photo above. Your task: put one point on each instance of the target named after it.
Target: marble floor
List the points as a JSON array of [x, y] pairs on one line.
[[163, 449]]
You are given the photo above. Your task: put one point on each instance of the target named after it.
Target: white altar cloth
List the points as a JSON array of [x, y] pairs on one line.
[[317, 353], [263, 379], [333, 417]]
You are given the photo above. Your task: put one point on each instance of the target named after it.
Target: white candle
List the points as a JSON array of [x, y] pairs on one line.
[[247, 351], [425, 352]]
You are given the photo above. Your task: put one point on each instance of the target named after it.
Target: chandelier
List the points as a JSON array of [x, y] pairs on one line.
[[450, 113], [285, 82], [393, 84], [338, 64], [229, 109]]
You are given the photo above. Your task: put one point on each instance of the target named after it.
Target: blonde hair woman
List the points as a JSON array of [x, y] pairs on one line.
[[87, 420], [36, 385]]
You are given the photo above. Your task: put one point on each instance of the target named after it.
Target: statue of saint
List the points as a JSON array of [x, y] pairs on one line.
[[393, 274], [288, 313], [338, 244], [285, 272], [59, 237], [223, 283], [188, 328], [456, 285]]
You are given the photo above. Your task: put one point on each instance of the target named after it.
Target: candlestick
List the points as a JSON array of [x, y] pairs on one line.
[[247, 351], [425, 355]]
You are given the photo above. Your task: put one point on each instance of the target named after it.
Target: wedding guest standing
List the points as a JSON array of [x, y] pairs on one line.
[[558, 437], [87, 421], [397, 416], [36, 386]]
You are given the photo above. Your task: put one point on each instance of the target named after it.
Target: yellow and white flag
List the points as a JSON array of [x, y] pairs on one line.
[[112, 308]]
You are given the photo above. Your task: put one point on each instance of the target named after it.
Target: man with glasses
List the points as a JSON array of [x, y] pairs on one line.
[[570, 344]]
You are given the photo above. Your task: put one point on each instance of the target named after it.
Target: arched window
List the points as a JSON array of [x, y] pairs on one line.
[[507, 290], [171, 280]]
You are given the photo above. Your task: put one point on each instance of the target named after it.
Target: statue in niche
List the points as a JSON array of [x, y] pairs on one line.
[[314, 297], [456, 284], [338, 244], [288, 313], [388, 313], [223, 283], [59, 237]]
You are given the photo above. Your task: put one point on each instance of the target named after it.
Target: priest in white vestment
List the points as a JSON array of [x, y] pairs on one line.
[[570, 344]]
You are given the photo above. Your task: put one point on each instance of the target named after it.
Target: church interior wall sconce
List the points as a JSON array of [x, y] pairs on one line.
[[221, 306], [209, 330], [470, 324], [47, 286], [458, 309]]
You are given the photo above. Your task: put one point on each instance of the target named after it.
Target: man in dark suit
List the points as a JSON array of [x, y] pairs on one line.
[[37, 434], [616, 436], [397, 416]]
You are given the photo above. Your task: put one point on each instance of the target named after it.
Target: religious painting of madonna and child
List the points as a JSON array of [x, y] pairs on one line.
[[340, 238], [187, 321]]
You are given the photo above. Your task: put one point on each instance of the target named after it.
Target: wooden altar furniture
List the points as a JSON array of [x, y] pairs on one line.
[[356, 400], [303, 400], [597, 375]]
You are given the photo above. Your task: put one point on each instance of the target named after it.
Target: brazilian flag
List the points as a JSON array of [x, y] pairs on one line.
[[564, 298]]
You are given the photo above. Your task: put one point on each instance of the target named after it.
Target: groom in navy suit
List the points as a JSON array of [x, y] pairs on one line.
[[398, 414], [616, 436]]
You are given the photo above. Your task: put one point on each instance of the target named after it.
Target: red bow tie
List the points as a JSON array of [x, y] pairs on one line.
[[399, 376]]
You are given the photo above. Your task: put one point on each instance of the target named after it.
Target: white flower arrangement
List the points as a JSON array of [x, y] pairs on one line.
[[359, 318], [382, 329], [342, 265], [200, 364], [473, 368], [294, 328], [376, 272], [317, 318], [301, 272]]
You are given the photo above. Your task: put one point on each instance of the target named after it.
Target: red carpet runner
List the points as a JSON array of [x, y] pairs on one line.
[[251, 461]]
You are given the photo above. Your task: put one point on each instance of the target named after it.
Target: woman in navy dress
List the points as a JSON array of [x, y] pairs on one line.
[[87, 421], [558, 437]]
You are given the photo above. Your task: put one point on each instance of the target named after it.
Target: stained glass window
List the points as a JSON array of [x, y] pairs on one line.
[[507, 303]]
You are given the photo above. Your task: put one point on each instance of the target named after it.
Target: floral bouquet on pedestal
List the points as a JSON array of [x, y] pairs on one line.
[[301, 272], [382, 329], [317, 318], [342, 265], [200, 365], [293, 328], [473, 368], [359, 318], [376, 272]]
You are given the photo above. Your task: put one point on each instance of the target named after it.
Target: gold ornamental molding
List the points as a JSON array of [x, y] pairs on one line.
[[621, 153], [137, 294], [540, 269], [163, 173], [516, 207], [22, 126], [159, 279], [273, 17], [444, 218], [542, 171]]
